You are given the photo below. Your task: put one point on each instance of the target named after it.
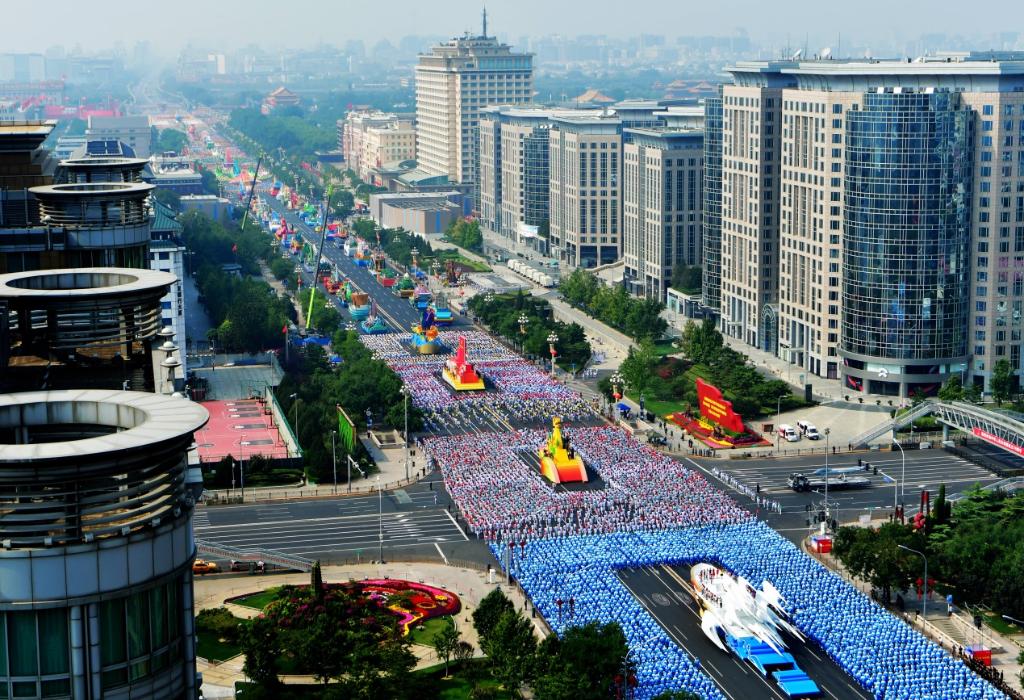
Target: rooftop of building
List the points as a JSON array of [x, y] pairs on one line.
[[392, 197], [943, 62], [164, 219], [422, 178], [24, 135], [133, 122], [670, 134]]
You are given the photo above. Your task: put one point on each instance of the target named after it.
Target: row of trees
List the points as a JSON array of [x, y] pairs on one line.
[[465, 233], [247, 315], [637, 318], [1004, 384], [501, 315], [975, 550], [285, 129], [358, 384]]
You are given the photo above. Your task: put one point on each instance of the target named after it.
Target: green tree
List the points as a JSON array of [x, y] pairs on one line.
[[511, 646], [687, 278], [1004, 384], [446, 642], [952, 390], [262, 647], [873, 555], [466, 234], [638, 368], [972, 393], [582, 664], [490, 611], [701, 342], [544, 229], [171, 140]]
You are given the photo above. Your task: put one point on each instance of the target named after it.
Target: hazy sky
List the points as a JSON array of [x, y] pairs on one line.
[[169, 24]]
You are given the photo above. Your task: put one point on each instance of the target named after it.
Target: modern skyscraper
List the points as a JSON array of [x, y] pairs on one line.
[[880, 240], [661, 206], [453, 83], [711, 238]]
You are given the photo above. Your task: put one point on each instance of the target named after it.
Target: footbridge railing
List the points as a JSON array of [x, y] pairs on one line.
[[288, 561]]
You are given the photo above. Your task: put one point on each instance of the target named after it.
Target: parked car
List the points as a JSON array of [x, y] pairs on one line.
[[788, 433], [809, 430], [656, 439], [201, 566]]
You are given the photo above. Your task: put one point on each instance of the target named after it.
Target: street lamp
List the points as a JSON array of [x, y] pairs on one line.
[[350, 327], [369, 421], [616, 392], [334, 457], [405, 404], [414, 252], [778, 419], [828, 513], [903, 469], [552, 339], [924, 599], [295, 415], [380, 519]]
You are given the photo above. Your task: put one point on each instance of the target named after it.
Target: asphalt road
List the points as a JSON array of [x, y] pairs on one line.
[[415, 521], [925, 470], [398, 312], [659, 591]]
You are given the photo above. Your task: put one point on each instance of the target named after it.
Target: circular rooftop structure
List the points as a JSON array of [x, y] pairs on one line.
[[78, 465], [69, 308], [110, 169], [93, 203]]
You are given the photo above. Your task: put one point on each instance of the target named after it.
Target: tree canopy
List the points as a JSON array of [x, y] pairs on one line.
[[637, 318]]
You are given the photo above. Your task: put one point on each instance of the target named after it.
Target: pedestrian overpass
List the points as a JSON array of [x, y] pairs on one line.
[[995, 428], [286, 561]]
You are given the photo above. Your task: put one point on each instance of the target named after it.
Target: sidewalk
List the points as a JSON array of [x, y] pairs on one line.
[[470, 585], [390, 462]]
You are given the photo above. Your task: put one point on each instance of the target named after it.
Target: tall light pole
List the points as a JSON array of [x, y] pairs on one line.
[[828, 514], [523, 320], [552, 339], [903, 469], [241, 464], [778, 419], [405, 404], [380, 519], [334, 456], [924, 599]]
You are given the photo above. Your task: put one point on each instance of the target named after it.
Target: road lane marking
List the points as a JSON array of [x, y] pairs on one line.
[[441, 553], [456, 524]]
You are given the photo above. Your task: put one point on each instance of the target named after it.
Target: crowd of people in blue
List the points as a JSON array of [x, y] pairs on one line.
[[879, 651], [565, 546]]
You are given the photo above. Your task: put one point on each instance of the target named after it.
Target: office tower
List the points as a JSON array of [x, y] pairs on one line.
[[372, 140], [585, 201], [963, 162], [514, 148], [661, 206], [711, 234], [453, 83]]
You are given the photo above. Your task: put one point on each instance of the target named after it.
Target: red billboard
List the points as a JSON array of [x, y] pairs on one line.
[[716, 409], [998, 441]]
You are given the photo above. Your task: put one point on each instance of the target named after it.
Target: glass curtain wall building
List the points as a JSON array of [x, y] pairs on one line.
[[712, 214], [906, 286]]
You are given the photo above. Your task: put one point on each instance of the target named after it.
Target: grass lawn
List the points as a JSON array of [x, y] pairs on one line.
[[215, 650], [258, 601], [424, 632], [665, 347], [996, 622], [473, 265], [662, 408], [463, 679]]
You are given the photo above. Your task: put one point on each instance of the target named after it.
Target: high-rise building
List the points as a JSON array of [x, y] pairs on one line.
[[711, 235], [514, 177], [661, 206], [585, 198], [453, 83], [863, 203], [370, 140]]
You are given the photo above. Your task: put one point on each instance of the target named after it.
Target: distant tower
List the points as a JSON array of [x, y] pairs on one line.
[[485, 22]]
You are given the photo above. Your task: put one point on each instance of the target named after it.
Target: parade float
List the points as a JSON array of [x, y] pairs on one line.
[[742, 620], [443, 315], [421, 298], [405, 287], [559, 461], [374, 324], [425, 338], [459, 373], [359, 306]]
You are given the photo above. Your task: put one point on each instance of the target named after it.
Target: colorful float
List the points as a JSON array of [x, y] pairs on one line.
[[559, 462], [443, 315], [359, 307], [405, 287], [421, 298], [374, 324], [459, 373], [425, 339]]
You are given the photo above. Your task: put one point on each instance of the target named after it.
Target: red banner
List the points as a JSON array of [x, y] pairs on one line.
[[716, 409], [998, 441]]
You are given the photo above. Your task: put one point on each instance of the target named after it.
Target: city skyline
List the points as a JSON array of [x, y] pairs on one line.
[[801, 25]]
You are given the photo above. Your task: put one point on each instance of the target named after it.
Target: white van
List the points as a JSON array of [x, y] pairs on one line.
[[787, 433], [809, 430]]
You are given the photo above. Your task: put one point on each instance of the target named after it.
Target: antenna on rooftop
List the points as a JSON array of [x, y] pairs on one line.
[[485, 22]]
